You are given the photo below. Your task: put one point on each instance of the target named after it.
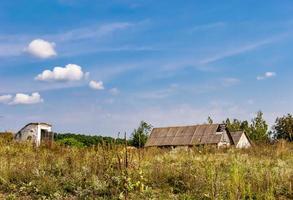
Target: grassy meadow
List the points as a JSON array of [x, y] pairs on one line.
[[108, 172]]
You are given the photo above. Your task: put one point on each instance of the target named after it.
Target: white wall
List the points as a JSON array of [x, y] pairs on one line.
[[28, 131], [40, 127], [33, 131], [225, 141], [243, 142]]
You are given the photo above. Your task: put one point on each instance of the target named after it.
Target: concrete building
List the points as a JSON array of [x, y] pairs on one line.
[[35, 132]]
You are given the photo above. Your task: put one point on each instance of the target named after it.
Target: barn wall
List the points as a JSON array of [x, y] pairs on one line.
[[28, 132], [225, 141], [243, 142], [40, 127], [32, 132]]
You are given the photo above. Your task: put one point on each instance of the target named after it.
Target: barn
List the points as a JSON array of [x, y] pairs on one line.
[[240, 139], [188, 136], [35, 132]]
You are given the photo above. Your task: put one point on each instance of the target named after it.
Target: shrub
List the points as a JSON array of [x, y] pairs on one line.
[[70, 142]]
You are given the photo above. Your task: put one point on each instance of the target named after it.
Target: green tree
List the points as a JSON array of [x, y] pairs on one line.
[[210, 120], [258, 128], [283, 129], [236, 125], [140, 135], [88, 140]]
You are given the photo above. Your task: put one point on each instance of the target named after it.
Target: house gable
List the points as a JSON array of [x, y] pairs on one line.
[[240, 139]]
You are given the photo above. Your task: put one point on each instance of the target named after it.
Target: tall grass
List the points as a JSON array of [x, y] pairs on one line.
[[101, 172]]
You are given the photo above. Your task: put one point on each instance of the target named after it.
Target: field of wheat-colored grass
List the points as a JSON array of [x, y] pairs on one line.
[[107, 172]]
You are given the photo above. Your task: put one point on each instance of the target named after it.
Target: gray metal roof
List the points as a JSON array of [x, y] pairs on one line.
[[184, 135]]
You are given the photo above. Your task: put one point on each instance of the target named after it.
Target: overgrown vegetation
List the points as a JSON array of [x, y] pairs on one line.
[[138, 138], [107, 172], [257, 130], [283, 129], [140, 135], [6, 136], [79, 140], [96, 167]]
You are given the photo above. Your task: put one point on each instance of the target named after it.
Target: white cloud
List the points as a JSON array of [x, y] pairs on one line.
[[70, 72], [5, 98], [41, 48], [21, 98], [266, 75], [96, 85], [17, 44], [270, 74]]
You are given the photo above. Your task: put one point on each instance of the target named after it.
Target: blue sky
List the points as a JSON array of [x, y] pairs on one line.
[[122, 61]]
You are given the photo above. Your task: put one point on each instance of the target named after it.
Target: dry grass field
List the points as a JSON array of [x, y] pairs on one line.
[[105, 172]]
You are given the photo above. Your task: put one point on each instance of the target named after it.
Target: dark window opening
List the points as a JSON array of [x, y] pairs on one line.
[[46, 135]]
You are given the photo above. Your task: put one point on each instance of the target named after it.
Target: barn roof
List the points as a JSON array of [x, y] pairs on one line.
[[236, 136], [38, 123], [186, 135]]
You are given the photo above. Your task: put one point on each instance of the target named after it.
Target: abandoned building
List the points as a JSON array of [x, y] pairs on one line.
[[206, 134], [240, 139], [35, 132], [188, 136]]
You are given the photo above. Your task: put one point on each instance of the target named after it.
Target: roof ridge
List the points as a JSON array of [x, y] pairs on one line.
[[186, 126]]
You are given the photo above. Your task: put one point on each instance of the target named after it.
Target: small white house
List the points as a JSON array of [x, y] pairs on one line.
[[240, 139], [35, 132]]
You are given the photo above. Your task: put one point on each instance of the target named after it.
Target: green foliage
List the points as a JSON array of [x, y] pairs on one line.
[[70, 142], [258, 128], [210, 120], [283, 129], [236, 125], [88, 140], [140, 135]]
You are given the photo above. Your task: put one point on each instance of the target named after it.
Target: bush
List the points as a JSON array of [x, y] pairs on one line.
[[89, 140], [70, 142], [6, 136]]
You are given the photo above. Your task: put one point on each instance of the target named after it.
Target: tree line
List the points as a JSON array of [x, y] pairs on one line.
[[257, 130], [81, 140]]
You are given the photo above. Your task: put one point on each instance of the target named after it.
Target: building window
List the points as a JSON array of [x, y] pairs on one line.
[[46, 135]]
